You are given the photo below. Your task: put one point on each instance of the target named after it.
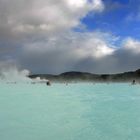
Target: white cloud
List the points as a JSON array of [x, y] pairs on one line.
[[76, 3], [132, 45], [44, 15], [97, 47], [97, 5]]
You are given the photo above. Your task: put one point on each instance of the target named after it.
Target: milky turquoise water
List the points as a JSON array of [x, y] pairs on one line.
[[73, 112]]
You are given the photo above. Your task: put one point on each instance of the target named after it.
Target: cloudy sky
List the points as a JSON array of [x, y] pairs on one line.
[[54, 36]]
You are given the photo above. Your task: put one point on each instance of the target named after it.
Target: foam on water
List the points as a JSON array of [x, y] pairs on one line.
[[73, 112]]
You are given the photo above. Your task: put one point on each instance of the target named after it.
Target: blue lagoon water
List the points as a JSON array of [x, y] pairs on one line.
[[75, 112]]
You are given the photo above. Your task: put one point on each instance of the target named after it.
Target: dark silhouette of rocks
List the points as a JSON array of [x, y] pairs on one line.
[[89, 77]]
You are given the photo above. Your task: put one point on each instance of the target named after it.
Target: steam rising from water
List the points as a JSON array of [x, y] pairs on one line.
[[13, 75]]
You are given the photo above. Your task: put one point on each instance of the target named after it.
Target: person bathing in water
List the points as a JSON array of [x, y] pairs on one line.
[[133, 82], [48, 83]]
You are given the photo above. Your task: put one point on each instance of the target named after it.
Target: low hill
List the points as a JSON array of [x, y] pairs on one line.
[[84, 76]]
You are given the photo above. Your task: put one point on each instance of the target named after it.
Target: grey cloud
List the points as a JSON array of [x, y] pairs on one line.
[[38, 35], [77, 52]]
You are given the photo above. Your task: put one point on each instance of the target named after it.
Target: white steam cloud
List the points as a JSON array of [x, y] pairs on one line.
[[9, 73], [14, 75]]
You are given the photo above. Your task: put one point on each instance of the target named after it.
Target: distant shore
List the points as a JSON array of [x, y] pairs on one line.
[[74, 76]]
